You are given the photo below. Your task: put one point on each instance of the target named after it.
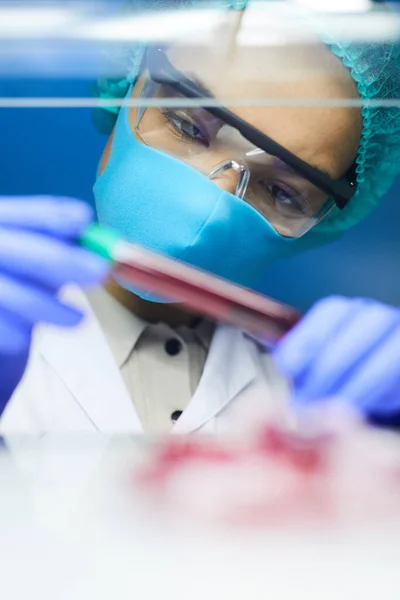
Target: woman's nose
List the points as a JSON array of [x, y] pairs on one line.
[[227, 180]]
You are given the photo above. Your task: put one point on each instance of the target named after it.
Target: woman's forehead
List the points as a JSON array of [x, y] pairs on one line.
[[261, 72]]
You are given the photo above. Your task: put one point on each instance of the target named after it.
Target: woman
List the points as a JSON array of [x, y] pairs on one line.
[[227, 190]]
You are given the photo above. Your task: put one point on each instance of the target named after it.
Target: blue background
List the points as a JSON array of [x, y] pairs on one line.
[[55, 151]]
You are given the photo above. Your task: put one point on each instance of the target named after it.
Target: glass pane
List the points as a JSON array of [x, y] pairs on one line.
[[260, 51]]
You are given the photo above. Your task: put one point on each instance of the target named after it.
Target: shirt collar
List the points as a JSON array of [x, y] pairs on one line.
[[122, 328]]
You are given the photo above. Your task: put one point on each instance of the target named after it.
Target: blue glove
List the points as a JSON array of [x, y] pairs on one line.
[[37, 257], [349, 350]]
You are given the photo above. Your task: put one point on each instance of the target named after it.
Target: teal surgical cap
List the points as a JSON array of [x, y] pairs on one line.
[[376, 70]]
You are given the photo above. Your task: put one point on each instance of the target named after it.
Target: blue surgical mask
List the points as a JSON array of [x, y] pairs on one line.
[[163, 204]]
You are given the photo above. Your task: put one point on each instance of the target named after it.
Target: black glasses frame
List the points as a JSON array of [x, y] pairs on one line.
[[163, 72]]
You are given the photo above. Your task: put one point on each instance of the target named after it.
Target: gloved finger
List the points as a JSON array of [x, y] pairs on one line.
[[48, 261], [27, 305], [378, 376], [62, 217], [14, 337], [12, 367], [386, 412], [388, 405], [302, 345], [346, 349]]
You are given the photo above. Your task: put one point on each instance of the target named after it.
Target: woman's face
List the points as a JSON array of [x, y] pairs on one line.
[[323, 136]]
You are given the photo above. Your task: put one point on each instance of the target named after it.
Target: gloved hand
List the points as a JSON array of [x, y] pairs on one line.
[[347, 350], [36, 259]]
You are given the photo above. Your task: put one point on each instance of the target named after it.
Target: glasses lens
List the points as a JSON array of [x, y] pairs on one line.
[[290, 203], [287, 200], [191, 134]]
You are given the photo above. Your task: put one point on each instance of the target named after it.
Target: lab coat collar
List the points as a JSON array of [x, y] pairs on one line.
[[83, 360], [229, 369]]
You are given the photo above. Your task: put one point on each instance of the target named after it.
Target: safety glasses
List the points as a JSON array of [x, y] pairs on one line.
[[291, 194]]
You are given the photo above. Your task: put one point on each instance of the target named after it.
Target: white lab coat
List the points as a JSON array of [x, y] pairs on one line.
[[72, 384]]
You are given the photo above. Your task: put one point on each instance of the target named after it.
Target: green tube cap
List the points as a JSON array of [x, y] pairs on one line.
[[100, 240]]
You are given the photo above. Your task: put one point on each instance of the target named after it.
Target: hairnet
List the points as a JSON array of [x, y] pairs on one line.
[[376, 70]]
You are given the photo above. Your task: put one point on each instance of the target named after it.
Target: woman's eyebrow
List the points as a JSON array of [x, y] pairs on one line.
[[323, 170], [199, 84], [315, 166]]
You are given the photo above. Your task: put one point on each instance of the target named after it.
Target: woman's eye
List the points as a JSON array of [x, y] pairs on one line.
[[288, 203], [186, 128]]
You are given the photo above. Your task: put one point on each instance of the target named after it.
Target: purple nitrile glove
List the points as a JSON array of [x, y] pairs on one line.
[[38, 257], [348, 350]]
